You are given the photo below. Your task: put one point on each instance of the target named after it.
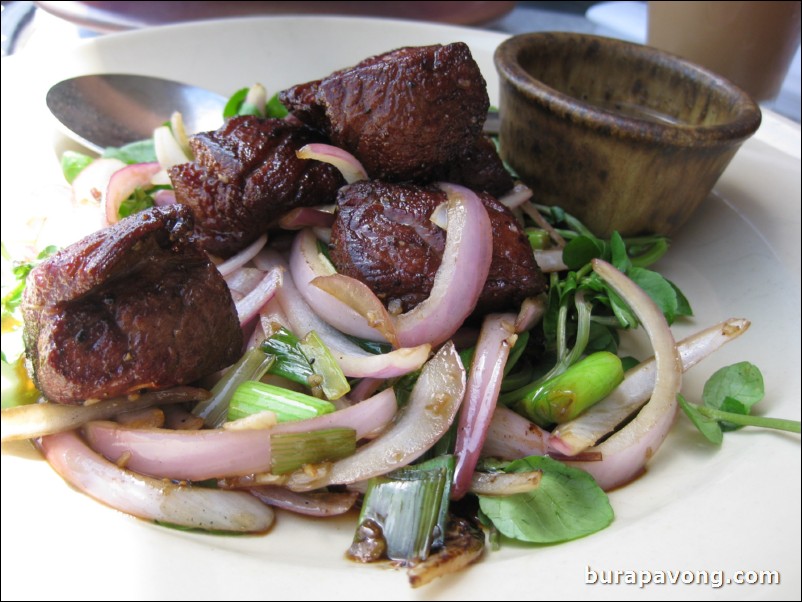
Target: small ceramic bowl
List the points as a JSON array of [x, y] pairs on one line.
[[623, 136]]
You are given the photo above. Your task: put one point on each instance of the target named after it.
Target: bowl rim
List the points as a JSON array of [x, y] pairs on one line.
[[745, 122]]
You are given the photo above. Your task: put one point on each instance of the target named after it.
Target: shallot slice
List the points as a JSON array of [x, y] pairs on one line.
[[511, 436], [550, 260], [305, 217], [217, 453], [309, 504], [93, 180], [243, 257], [348, 165], [153, 499], [519, 194], [29, 421], [123, 183], [626, 452], [352, 359], [307, 263], [579, 434], [249, 306], [461, 276], [484, 383], [428, 414]]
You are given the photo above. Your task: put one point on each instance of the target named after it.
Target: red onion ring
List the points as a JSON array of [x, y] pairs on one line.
[[428, 414], [511, 436], [353, 360], [218, 453], [309, 504], [348, 165], [626, 452], [306, 264], [519, 194], [243, 257], [249, 306], [573, 437], [122, 185], [486, 373], [461, 276], [153, 499]]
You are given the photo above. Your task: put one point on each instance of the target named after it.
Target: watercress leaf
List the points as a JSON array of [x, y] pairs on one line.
[[658, 288], [683, 305], [709, 427], [73, 163], [141, 151], [275, 109], [568, 504], [234, 103], [621, 310], [742, 381], [581, 250], [618, 253], [730, 404], [138, 201]]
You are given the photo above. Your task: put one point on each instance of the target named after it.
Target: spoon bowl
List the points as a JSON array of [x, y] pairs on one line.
[[113, 109]]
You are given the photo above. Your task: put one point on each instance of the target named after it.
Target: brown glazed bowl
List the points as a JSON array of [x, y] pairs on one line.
[[623, 136]]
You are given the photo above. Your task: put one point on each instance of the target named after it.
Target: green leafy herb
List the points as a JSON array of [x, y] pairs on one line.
[[142, 151], [240, 104], [290, 362], [728, 397], [73, 163], [567, 504], [139, 200]]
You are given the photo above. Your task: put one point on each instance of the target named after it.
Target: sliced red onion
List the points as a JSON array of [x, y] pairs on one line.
[[348, 165], [501, 483], [217, 453], [123, 183], [574, 436], [486, 373], [250, 305], [428, 414], [306, 217], [459, 279], [626, 452], [519, 194], [306, 264], [243, 257], [550, 260], [244, 280], [353, 360], [310, 504], [531, 312], [358, 296], [511, 436], [91, 183], [164, 197], [153, 499], [35, 420]]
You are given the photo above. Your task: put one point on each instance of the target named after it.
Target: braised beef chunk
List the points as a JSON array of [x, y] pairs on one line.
[[480, 169], [134, 306], [404, 114], [245, 176], [383, 236]]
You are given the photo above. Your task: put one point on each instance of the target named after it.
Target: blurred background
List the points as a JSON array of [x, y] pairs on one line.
[[40, 26]]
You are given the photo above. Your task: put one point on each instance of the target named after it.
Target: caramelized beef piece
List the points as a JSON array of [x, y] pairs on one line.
[[383, 236], [245, 176], [479, 168], [134, 306], [404, 114]]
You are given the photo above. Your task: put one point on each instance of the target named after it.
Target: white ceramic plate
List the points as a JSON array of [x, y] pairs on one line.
[[697, 509]]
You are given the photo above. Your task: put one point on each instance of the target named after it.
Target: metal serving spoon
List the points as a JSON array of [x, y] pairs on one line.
[[113, 109]]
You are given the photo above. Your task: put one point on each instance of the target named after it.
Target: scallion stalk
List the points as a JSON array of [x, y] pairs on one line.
[[290, 362], [405, 512], [254, 396], [290, 451], [252, 365]]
